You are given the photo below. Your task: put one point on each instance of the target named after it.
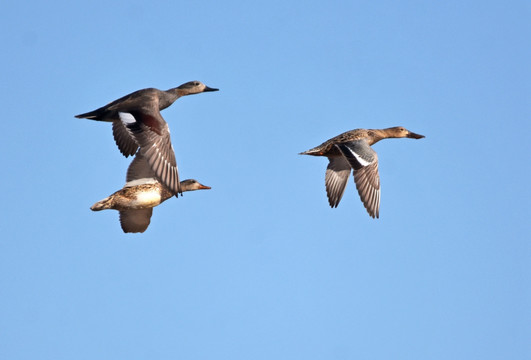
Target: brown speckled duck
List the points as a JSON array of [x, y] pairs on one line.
[[137, 122], [352, 150], [140, 195]]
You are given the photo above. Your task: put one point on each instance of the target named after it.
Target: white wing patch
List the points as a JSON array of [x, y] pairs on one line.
[[362, 161], [126, 118]]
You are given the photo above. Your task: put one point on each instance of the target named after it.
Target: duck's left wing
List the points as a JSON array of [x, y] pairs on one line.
[[364, 161], [337, 173], [135, 221], [122, 135]]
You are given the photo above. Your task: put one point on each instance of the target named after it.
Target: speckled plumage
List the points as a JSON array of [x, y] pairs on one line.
[[351, 151], [134, 198], [142, 192]]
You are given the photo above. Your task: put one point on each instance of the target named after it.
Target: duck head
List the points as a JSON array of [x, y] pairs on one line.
[[192, 185], [194, 87], [401, 132]]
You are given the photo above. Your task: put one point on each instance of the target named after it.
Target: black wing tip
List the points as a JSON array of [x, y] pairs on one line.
[[127, 153], [333, 204], [375, 214]]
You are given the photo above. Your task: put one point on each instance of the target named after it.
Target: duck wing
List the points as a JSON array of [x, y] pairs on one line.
[[152, 134], [364, 160], [139, 169], [135, 221], [336, 178], [124, 138]]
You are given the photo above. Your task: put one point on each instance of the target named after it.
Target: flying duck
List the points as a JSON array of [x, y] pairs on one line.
[[352, 150], [141, 193]]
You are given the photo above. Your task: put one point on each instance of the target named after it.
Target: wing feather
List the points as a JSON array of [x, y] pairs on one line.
[[364, 161], [124, 138], [152, 134], [368, 184], [336, 179]]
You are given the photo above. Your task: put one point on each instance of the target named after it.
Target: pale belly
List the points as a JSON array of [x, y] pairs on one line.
[[143, 199], [146, 199]]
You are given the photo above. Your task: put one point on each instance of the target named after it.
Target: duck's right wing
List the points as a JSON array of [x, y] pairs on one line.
[[139, 172], [364, 161]]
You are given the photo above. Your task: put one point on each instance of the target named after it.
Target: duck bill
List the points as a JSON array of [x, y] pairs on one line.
[[414, 136], [210, 89], [204, 187]]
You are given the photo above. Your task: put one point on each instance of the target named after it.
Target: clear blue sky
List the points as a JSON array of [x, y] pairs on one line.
[[260, 267]]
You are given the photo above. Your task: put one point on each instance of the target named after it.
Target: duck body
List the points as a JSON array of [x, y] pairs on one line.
[[140, 100], [136, 197], [138, 124], [351, 152], [145, 101]]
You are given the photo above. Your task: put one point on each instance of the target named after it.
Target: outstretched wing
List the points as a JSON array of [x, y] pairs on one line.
[[122, 135], [364, 161], [152, 134], [336, 178]]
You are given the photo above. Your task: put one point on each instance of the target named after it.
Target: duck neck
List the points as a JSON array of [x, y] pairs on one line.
[[375, 135], [168, 97], [166, 193]]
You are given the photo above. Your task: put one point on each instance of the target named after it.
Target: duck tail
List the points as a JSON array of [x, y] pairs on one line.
[[102, 204], [92, 115], [314, 151]]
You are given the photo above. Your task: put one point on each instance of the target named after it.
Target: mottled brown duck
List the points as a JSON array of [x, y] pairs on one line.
[[142, 192], [352, 151]]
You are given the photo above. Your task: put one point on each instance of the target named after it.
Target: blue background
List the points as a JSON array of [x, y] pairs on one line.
[[260, 267]]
